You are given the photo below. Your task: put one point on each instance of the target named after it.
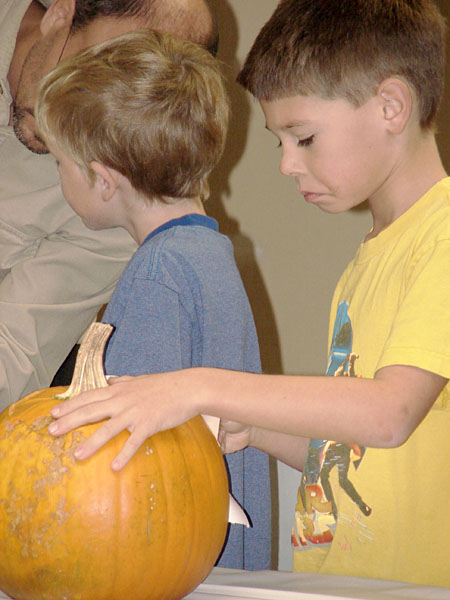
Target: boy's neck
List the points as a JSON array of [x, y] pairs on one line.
[[410, 179], [154, 215]]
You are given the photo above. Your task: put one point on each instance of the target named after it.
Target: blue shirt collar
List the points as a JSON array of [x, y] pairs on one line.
[[193, 219]]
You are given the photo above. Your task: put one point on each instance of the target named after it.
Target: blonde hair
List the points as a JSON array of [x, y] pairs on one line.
[[346, 48], [147, 104]]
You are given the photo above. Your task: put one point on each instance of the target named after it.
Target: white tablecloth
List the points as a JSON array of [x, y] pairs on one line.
[[228, 584]]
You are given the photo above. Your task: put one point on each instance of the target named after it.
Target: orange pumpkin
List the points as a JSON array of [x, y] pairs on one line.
[[80, 531]]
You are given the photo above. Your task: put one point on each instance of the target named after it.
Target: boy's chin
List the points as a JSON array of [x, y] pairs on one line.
[[331, 209]]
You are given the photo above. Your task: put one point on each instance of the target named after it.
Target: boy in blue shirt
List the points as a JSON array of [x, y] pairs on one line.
[[136, 125]]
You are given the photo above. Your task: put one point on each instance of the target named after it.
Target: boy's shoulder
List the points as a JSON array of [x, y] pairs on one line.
[[177, 250], [193, 235], [434, 212], [420, 228]]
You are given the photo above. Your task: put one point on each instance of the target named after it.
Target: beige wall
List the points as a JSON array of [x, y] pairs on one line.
[[290, 254]]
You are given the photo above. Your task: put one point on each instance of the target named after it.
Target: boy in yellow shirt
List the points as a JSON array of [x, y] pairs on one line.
[[351, 89]]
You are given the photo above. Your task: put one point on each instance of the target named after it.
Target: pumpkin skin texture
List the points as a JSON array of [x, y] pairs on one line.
[[79, 531]]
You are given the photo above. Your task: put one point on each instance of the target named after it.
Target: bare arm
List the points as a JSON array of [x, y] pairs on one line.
[[290, 449], [380, 412]]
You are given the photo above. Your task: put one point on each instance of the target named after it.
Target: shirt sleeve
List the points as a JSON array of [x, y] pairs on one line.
[[48, 299], [420, 334], [152, 331]]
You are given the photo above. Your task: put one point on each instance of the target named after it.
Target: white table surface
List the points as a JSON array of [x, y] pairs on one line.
[[229, 584]]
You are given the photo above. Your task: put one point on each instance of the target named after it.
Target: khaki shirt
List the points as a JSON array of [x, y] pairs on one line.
[[55, 274]]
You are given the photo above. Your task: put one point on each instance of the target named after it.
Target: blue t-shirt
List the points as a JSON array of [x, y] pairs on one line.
[[181, 303]]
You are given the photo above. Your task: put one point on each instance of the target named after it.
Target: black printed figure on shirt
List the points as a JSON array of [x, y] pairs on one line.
[[316, 511]]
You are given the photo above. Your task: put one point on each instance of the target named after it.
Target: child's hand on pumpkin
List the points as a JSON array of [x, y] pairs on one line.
[[142, 405]]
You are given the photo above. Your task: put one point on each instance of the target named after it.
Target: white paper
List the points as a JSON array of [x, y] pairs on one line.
[[236, 514]]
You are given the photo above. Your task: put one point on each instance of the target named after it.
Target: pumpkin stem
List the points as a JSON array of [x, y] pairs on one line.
[[88, 373]]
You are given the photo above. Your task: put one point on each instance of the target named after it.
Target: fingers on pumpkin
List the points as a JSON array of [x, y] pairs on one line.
[[76, 402], [129, 449], [90, 413], [99, 438]]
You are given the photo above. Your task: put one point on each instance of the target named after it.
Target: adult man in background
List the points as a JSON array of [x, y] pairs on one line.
[[55, 274]]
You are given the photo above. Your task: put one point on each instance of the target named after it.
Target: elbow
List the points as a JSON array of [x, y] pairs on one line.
[[396, 439], [395, 428]]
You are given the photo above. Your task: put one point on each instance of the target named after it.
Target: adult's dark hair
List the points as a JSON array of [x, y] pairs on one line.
[[88, 10], [163, 15]]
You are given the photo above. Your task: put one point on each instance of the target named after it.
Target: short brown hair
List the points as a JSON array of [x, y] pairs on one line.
[[346, 48], [147, 104]]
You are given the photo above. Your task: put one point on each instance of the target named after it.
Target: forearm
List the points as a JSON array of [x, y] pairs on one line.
[[376, 412], [289, 449]]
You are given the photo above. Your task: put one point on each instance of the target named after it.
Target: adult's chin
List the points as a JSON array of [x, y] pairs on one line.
[[24, 128]]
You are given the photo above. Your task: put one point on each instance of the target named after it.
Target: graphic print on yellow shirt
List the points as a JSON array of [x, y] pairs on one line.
[[316, 512]]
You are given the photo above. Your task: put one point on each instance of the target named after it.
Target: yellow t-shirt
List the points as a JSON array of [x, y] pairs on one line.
[[385, 513]]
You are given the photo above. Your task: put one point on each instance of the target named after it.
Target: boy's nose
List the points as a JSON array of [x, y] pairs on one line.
[[291, 164]]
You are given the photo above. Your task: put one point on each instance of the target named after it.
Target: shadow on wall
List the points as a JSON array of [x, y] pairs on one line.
[[219, 182], [243, 246], [443, 137]]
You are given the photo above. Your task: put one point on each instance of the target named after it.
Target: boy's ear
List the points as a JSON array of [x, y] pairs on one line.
[[58, 15], [396, 102], [107, 179]]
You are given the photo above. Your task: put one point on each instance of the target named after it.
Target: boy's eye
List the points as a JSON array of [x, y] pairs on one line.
[[306, 141], [303, 143]]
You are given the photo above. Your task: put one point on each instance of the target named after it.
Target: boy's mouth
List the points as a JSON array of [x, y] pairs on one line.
[[310, 196]]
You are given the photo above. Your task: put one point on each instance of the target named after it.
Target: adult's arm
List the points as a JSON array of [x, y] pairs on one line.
[[55, 274], [47, 301]]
